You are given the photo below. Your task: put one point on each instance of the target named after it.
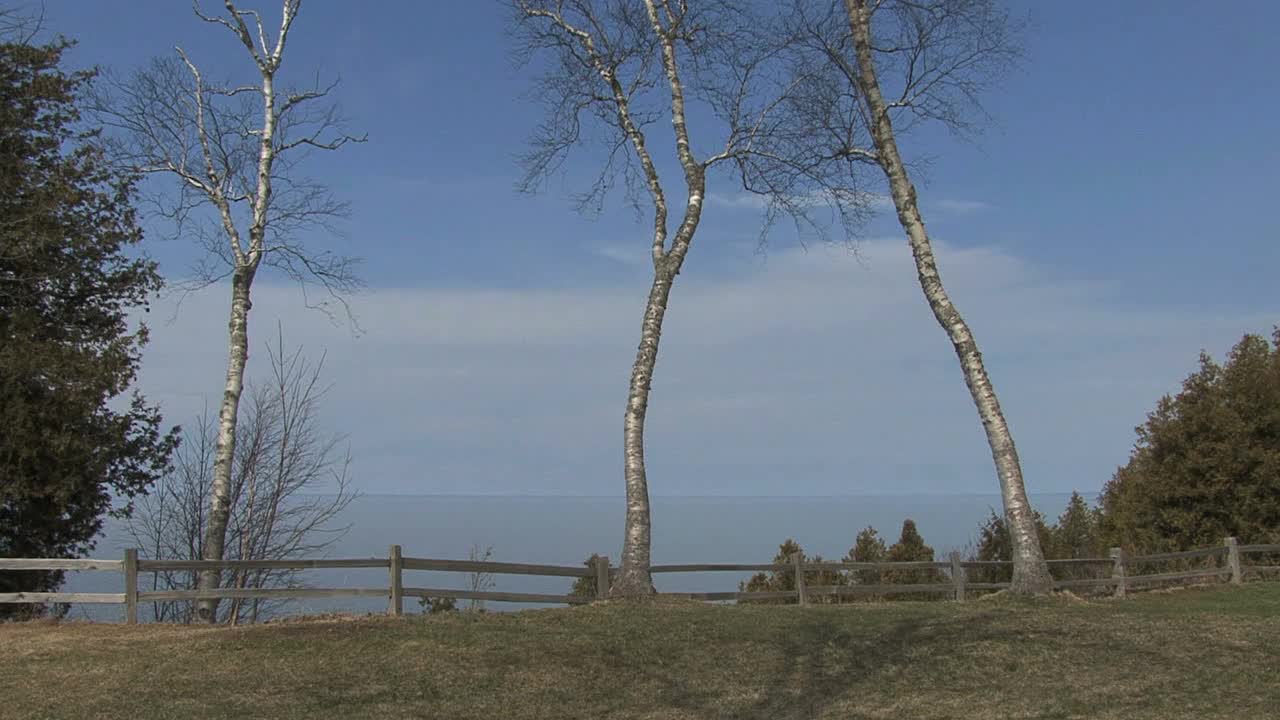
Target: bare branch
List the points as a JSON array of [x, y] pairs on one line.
[[20, 29], [615, 67], [169, 119], [291, 486], [215, 186], [600, 70], [237, 27], [236, 149]]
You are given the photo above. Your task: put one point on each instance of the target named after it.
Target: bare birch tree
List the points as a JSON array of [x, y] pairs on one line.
[[616, 68], [877, 68], [291, 482], [234, 151]]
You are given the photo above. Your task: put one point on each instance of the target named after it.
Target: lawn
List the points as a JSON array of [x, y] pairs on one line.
[[1196, 653]]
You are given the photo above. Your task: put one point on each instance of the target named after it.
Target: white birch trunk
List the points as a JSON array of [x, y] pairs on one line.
[[633, 568], [634, 578], [242, 280], [1030, 572], [633, 575], [225, 446]]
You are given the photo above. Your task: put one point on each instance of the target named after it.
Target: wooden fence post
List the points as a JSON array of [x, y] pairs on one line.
[[797, 566], [1233, 560], [131, 586], [1118, 571], [396, 564], [957, 575], [602, 577]]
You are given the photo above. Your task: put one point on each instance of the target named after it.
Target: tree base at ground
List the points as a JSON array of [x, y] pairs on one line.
[[632, 583]]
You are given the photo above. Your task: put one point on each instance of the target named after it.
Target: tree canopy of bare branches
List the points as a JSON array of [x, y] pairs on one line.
[[234, 151], [712, 69], [291, 481], [873, 70]]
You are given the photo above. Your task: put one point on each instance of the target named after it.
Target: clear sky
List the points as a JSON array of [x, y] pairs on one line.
[[1110, 224]]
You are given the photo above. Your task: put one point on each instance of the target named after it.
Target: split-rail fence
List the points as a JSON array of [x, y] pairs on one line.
[[1228, 564]]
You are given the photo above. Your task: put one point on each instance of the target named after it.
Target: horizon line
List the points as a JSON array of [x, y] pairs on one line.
[[1087, 493]]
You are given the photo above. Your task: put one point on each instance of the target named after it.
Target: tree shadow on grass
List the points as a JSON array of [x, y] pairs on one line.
[[818, 662]]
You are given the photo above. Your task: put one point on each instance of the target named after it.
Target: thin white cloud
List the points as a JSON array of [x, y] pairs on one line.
[[739, 200], [633, 254], [962, 207], [809, 373]]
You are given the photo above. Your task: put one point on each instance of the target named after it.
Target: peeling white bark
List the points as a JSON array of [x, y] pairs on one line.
[[1030, 572], [225, 445], [633, 576], [585, 39], [246, 266]]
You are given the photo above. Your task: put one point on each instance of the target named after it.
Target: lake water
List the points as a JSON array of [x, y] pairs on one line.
[[566, 530]]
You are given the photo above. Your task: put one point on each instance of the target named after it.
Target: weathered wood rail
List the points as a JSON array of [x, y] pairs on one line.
[[950, 577]]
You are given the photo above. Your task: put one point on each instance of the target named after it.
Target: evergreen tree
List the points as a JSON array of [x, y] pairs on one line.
[[868, 547], [1206, 464], [70, 450], [910, 547], [785, 580], [775, 580], [1075, 535]]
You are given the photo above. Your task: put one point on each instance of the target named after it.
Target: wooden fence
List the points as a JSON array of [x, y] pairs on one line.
[[1120, 579]]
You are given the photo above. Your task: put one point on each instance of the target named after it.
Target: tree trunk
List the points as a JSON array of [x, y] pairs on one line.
[[633, 577], [1030, 572], [224, 450]]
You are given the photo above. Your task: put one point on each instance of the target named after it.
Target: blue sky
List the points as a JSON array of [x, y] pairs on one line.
[[1109, 224]]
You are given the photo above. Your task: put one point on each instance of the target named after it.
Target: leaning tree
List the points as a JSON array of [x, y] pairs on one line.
[[712, 69], [871, 72], [233, 151]]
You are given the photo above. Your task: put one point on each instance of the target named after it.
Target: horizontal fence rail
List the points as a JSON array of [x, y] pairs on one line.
[[1186, 575], [501, 568], [1184, 555], [717, 567], [906, 565], [44, 597], [259, 594], [937, 577], [300, 564], [51, 564]]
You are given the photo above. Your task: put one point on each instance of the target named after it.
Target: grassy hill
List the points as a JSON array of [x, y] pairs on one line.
[[1201, 653]]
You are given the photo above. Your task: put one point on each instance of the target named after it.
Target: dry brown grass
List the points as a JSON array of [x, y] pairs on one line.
[[1201, 653]]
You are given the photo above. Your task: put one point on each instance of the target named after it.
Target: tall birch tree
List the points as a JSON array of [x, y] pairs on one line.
[[234, 150], [616, 68], [888, 65]]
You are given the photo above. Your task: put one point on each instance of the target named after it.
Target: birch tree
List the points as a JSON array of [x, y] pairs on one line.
[[877, 68], [234, 151], [290, 485], [618, 67]]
